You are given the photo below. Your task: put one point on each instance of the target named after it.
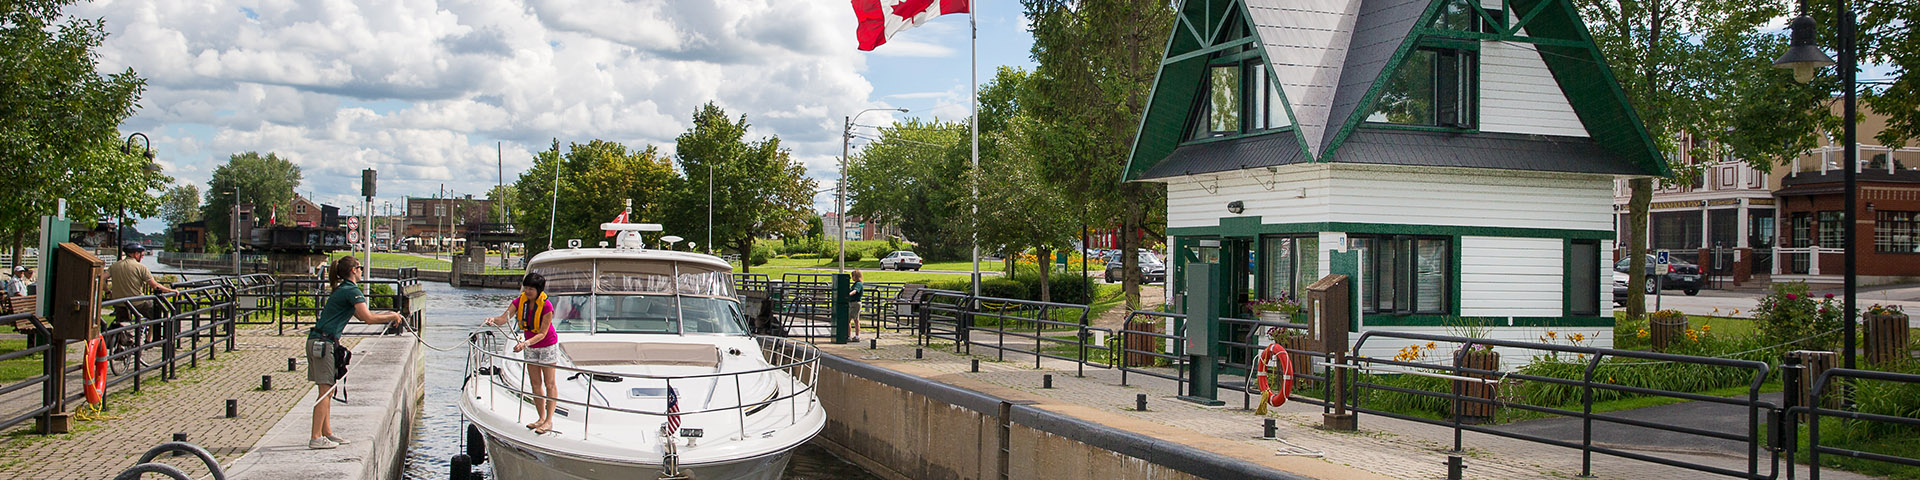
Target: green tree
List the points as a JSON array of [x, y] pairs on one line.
[[596, 179], [264, 181], [1028, 210], [907, 178], [1887, 38], [1697, 70], [181, 204], [59, 119], [498, 196], [1097, 62], [759, 190]]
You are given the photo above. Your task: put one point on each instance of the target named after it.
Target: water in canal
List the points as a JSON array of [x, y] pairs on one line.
[[451, 314]]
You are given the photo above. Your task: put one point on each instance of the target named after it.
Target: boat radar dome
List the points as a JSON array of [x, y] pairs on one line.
[[629, 236]]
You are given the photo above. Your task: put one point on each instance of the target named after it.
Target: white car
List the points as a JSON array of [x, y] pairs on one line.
[[901, 260]]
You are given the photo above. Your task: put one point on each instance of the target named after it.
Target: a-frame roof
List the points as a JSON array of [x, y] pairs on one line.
[[1330, 57]]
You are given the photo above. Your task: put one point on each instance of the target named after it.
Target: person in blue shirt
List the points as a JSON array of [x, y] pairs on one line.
[[345, 303]]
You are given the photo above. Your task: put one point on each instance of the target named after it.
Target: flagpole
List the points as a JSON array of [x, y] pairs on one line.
[[973, 99]]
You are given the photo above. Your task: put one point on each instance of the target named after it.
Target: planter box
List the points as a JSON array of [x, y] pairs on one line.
[[1887, 338], [1470, 411]]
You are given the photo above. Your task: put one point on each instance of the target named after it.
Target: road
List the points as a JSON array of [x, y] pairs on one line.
[[1741, 303]]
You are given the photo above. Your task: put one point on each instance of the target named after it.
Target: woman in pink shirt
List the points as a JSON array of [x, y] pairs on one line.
[[534, 317]]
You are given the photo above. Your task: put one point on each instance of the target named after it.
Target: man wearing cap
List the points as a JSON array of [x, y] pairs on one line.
[[22, 281], [128, 278]]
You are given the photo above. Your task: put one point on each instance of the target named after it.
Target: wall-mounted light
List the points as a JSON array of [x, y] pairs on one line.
[[1235, 207], [1869, 206]]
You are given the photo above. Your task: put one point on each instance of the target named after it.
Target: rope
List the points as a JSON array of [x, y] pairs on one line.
[[90, 412]]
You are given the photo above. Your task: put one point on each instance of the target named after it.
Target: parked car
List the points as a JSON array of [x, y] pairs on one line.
[[1620, 288], [1680, 275], [1151, 269], [901, 260]]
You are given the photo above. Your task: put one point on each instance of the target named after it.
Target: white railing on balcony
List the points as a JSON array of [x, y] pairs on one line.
[[1782, 255]]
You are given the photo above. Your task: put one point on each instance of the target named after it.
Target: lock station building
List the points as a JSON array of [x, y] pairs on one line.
[[1466, 151]]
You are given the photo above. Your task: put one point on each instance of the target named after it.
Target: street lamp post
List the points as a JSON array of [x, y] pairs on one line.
[[120, 234], [840, 199], [1805, 59]]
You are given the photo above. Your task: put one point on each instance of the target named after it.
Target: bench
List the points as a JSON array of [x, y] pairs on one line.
[[23, 304]]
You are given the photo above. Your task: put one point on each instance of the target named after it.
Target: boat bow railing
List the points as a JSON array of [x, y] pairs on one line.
[[487, 357]]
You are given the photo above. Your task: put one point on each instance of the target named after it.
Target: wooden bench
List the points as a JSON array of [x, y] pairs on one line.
[[15, 305]]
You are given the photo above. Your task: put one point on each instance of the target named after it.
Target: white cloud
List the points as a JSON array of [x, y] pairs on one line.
[[422, 89]]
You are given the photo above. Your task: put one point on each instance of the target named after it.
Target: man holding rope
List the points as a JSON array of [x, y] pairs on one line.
[[324, 359]]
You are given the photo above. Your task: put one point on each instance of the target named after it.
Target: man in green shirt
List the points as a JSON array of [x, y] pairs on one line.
[[345, 303], [129, 278]]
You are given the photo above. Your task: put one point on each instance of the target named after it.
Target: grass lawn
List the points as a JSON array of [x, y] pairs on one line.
[[398, 260], [19, 368]]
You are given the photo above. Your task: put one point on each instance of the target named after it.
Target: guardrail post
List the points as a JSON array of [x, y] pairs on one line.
[[1339, 420], [1785, 428]]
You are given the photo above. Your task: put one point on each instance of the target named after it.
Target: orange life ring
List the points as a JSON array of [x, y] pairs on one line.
[[95, 370], [1268, 394]]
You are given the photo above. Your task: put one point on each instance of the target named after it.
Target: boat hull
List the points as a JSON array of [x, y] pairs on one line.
[[511, 460]]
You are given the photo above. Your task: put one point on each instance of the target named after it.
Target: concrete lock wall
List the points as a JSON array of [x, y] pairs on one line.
[[901, 426]]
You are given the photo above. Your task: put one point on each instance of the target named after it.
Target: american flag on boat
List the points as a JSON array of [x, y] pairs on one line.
[[673, 411]]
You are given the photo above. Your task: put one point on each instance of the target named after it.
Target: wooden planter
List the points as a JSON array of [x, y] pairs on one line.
[[1296, 345], [1147, 343], [1470, 411], [1667, 330], [1886, 338], [1817, 362]]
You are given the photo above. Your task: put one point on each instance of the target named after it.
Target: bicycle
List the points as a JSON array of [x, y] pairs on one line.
[[124, 341]]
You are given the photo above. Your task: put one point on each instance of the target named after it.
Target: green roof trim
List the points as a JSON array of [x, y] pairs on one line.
[[1591, 88]]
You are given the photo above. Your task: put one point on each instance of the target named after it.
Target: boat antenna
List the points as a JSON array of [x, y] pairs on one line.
[[553, 210]]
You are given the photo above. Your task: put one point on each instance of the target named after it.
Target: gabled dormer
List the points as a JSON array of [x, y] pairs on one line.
[[1513, 84]]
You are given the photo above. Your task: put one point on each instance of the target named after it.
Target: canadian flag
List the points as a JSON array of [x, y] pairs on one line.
[[620, 219], [881, 19]]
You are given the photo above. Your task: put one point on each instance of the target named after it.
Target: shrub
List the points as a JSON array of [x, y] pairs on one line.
[[804, 256], [1002, 287], [760, 255], [375, 301], [1067, 288], [853, 255], [881, 251], [1789, 313]]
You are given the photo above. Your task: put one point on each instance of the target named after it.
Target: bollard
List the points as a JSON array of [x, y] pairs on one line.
[[462, 468], [1455, 467], [1140, 402], [290, 364], [266, 382], [182, 438], [917, 354], [976, 365], [1270, 430], [1046, 381], [873, 343], [233, 408]]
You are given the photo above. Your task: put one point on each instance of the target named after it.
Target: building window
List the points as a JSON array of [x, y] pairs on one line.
[[439, 209], [299, 209], [1223, 100], [1290, 263], [1893, 232], [416, 210], [1240, 98], [1405, 274], [1676, 230], [1831, 233], [1802, 231], [1583, 277]]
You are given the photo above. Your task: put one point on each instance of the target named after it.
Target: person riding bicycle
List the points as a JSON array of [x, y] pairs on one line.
[[128, 278]]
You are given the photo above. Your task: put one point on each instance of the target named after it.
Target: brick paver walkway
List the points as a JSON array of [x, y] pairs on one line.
[[1386, 446], [194, 403]]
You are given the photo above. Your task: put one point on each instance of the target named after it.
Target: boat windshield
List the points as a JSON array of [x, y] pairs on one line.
[[616, 296]]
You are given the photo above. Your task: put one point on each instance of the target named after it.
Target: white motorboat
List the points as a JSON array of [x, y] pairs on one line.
[[635, 324]]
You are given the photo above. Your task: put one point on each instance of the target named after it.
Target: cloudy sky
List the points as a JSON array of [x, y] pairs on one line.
[[423, 90]]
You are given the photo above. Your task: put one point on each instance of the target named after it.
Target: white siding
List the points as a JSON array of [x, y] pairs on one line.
[[1606, 279], [1469, 197], [1274, 197], [1519, 95], [1511, 277]]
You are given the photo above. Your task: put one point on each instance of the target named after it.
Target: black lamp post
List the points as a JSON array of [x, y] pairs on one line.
[[1805, 59], [146, 150]]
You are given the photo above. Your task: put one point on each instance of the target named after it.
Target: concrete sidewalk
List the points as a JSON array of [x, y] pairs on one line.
[[384, 388], [1383, 447]]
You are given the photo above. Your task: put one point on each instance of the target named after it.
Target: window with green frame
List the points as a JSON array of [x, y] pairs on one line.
[[1438, 83], [1583, 277], [1239, 99], [1288, 264], [1406, 274]]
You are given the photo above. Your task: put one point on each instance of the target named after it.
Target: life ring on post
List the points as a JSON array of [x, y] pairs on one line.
[[1274, 393], [94, 368]]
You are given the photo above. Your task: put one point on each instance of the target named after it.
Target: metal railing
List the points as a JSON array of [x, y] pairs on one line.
[[486, 352], [1592, 358], [311, 295], [45, 381], [1173, 355], [1821, 387]]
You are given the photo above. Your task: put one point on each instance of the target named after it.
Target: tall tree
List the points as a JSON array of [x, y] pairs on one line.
[[596, 180], [1097, 61], [264, 181], [1684, 66], [498, 197], [907, 178], [759, 190], [181, 204], [1887, 37], [59, 119]]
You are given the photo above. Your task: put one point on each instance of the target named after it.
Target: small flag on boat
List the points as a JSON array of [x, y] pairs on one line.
[[620, 219], [673, 411]]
